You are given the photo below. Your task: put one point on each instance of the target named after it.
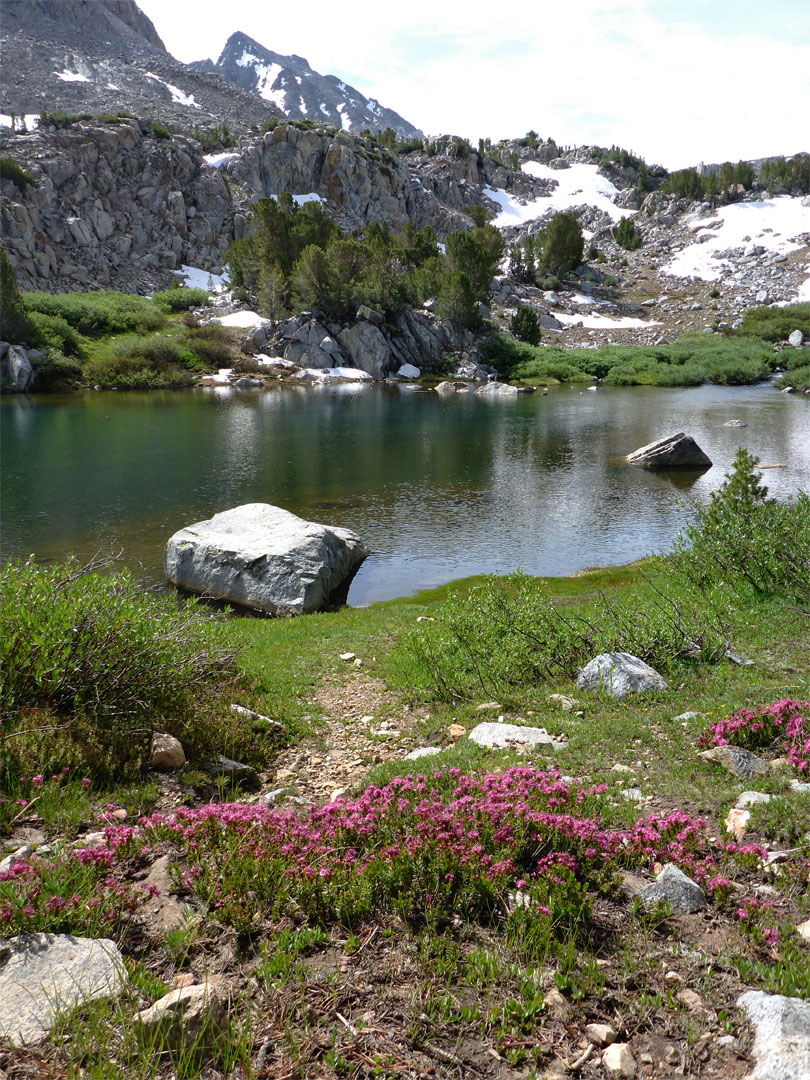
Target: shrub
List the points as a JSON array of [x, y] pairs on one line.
[[10, 170], [626, 235], [563, 245], [15, 326], [54, 332], [135, 363], [213, 343], [776, 323], [104, 661], [159, 130], [525, 325], [508, 634], [60, 119], [56, 370], [749, 540], [173, 300], [98, 313]]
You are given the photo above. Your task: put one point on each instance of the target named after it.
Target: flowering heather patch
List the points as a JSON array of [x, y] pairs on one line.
[[75, 892], [426, 850], [766, 727]]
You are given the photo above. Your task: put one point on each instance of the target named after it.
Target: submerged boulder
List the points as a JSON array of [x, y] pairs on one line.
[[262, 557], [676, 452]]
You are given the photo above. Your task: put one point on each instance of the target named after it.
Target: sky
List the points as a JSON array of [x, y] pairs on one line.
[[676, 81]]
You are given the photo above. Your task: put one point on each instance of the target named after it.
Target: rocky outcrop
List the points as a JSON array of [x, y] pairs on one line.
[[675, 452], [112, 207], [264, 558], [416, 338], [360, 181]]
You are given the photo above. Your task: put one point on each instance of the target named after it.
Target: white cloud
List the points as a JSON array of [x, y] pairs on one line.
[[676, 89]]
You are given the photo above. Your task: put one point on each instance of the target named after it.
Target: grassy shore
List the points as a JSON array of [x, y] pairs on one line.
[[469, 913]]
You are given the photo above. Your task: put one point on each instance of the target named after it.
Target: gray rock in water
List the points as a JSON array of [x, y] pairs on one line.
[[781, 1035], [42, 975], [676, 452], [620, 674], [498, 736], [735, 423], [497, 389], [683, 895], [737, 761], [262, 557]]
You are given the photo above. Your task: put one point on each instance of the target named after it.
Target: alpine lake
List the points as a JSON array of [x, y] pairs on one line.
[[440, 487]]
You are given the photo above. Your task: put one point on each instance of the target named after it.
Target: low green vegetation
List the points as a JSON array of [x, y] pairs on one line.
[[689, 361], [11, 170], [476, 898]]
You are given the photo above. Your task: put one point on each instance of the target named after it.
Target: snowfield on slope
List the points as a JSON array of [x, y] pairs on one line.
[[576, 185], [775, 224]]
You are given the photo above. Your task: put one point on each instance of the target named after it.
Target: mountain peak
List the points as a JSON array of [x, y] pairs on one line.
[[299, 91]]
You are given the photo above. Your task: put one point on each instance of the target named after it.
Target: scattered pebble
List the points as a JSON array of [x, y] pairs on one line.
[[346, 656], [600, 1034]]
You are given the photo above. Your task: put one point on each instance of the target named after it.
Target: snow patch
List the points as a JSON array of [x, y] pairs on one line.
[[245, 320], [29, 121], [178, 96], [193, 277], [219, 161], [601, 322], [311, 196], [71, 76], [773, 224], [337, 374], [576, 185]]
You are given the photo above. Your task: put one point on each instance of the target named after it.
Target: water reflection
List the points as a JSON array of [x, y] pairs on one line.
[[438, 486]]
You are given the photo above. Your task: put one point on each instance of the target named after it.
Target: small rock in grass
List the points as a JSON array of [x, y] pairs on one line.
[[803, 930], [618, 767], [190, 1018], [684, 716], [556, 1004], [781, 1035], [751, 798], [358, 663], [423, 751], [632, 794], [618, 1059], [737, 761], [735, 658], [346, 656], [619, 674], [692, 1000], [600, 1034], [456, 731], [166, 752], [564, 701], [18, 856], [683, 895], [737, 822], [798, 788], [488, 706], [496, 736]]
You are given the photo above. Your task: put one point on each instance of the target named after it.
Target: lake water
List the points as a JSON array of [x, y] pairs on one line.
[[439, 487]]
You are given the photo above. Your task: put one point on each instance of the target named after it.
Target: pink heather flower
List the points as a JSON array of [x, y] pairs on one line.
[[85, 782], [37, 781], [56, 903]]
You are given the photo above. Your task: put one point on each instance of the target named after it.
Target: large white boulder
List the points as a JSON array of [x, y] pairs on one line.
[[42, 975], [262, 557]]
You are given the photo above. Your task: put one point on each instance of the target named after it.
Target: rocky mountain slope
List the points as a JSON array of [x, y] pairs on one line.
[[300, 92], [102, 56]]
